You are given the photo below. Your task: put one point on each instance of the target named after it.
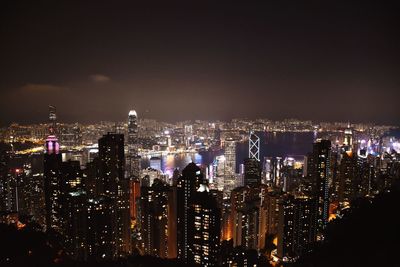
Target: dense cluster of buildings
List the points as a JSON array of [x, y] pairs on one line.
[[229, 213]]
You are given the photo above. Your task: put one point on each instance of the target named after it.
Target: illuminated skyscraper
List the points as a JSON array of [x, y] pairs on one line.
[[267, 169], [204, 217], [320, 172], [248, 217], [188, 135], [172, 220], [230, 164], [12, 190], [270, 205], [254, 146], [74, 209], [252, 172], [116, 187], [348, 137], [134, 198], [100, 239], [347, 177], [52, 119], [219, 165], [154, 218], [188, 183], [4, 159], [297, 228], [272, 171], [52, 184], [133, 158]]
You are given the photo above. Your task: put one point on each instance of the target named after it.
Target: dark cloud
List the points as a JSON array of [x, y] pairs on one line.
[[99, 78]]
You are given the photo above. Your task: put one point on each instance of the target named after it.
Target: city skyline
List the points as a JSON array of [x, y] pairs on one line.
[[265, 120], [317, 61], [201, 194], [199, 133]]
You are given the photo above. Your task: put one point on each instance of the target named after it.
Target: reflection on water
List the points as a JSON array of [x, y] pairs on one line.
[[170, 162], [272, 145]]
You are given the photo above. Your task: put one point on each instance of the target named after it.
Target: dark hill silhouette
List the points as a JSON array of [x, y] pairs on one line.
[[368, 235]]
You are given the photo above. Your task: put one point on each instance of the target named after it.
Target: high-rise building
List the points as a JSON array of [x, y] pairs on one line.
[[172, 220], [270, 206], [218, 174], [154, 218], [93, 184], [115, 186], [320, 172], [348, 137], [100, 238], [188, 135], [254, 146], [188, 184], [297, 226], [365, 174], [133, 174], [133, 158], [52, 184], [347, 177], [230, 165], [272, 171], [252, 172], [204, 218], [248, 217], [134, 198], [4, 159], [267, 170], [11, 189], [335, 174], [75, 211], [52, 119]]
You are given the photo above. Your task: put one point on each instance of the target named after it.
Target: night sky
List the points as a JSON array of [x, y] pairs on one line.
[[336, 60]]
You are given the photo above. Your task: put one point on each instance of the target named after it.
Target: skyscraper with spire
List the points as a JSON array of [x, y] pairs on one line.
[[133, 158], [52, 119], [132, 174]]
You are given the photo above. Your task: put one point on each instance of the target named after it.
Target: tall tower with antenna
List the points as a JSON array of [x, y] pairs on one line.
[[52, 119], [133, 155]]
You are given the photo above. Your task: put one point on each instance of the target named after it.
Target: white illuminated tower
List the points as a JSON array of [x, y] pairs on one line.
[[230, 165], [133, 159], [348, 136], [254, 146], [188, 135]]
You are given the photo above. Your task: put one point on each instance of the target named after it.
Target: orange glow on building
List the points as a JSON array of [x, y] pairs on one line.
[[227, 227], [275, 241], [332, 210], [227, 230], [20, 225], [134, 197], [349, 153]]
